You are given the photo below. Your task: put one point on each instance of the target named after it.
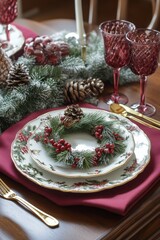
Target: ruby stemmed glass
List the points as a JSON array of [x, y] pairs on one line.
[[116, 53], [8, 13], [145, 48]]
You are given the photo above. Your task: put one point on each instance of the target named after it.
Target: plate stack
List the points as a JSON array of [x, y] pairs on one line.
[[34, 162]]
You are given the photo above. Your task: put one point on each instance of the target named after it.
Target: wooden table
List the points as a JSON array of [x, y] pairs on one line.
[[86, 223]]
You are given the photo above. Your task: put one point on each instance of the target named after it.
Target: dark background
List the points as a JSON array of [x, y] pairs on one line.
[[139, 11]]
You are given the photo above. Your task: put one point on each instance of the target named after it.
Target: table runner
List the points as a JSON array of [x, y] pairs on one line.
[[119, 199]]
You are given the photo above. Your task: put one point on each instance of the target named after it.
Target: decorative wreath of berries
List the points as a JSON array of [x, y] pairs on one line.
[[74, 121]]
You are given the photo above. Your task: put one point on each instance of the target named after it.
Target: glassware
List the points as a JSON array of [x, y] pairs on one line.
[[8, 13], [145, 48], [117, 52]]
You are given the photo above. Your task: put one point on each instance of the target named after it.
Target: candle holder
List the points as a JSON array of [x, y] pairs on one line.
[[82, 42]]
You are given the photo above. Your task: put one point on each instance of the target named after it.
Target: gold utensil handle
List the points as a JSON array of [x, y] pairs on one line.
[[133, 112], [152, 120], [47, 219], [142, 122]]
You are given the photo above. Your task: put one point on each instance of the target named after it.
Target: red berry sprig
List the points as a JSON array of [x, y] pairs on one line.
[[61, 145], [45, 50], [47, 131], [118, 137], [22, 137], [75, 163], [98, 132], [108, 148]]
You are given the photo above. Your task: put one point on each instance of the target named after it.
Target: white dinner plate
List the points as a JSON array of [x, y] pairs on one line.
[[81, 142], [27, 167]]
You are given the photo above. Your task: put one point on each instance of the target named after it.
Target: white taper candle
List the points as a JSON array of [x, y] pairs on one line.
[[79, 20]]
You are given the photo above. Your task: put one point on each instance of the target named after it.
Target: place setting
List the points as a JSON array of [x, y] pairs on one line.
[[67, 177], [56, 139]]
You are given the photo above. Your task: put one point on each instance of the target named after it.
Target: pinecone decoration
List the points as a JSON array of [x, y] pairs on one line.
[[45, 50], [72, 115], [18, 75], [95, 86], [5, 65], [76, 91]]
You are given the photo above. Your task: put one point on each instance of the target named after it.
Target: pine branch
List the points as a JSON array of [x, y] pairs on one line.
[[45, 89]]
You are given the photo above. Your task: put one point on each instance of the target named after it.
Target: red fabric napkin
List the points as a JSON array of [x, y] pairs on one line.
[[119, 199], [26, 32]]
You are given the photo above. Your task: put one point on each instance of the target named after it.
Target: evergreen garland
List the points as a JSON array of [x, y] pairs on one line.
[[45, 89], [52, 135]]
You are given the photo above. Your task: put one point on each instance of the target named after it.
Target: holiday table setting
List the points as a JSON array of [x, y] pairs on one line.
[[55, 86]]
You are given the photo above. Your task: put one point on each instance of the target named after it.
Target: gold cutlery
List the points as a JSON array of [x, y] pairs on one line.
[[131, 111], [117, 108], [7, 193]]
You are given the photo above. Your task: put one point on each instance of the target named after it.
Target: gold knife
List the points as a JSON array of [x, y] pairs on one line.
[[131, 111]]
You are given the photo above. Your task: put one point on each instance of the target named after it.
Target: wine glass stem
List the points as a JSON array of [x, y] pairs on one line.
[[116, 72], [143, 81], [7, 32]]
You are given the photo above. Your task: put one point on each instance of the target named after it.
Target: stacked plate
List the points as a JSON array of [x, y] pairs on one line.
[[32, 160]]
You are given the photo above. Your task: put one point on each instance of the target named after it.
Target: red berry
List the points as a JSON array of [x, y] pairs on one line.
[[62, 148], [45, 140], [62, 141], [58, 150], [52, 141]]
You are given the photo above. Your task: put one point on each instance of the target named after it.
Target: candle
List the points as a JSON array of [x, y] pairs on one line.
[[79, 21]]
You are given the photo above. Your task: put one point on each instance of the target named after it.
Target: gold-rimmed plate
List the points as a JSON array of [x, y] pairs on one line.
[[79, 142], [25, 165]]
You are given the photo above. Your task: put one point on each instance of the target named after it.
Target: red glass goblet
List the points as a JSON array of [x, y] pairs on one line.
[[117, 52], [8, 13], [145, 48]]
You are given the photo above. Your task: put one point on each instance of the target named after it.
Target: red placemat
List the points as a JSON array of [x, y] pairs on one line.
[[119, 199]]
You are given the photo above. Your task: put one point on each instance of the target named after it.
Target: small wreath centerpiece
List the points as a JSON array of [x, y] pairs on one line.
[[52, 136]]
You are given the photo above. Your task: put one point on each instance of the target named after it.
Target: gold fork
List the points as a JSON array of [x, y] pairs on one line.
[[7, 193]]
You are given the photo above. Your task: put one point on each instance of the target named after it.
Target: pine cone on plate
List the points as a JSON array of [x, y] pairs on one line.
[[18, 75], [76, 91], [72, 114]]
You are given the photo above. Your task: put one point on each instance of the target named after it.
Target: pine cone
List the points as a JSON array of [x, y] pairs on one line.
[[72, 115], [74, 111], [5, 65], [95, 86], [76, 91], [18, 74]]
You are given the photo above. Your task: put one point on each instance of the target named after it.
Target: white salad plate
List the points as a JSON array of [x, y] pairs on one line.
[[127, 172], [80, 142]]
